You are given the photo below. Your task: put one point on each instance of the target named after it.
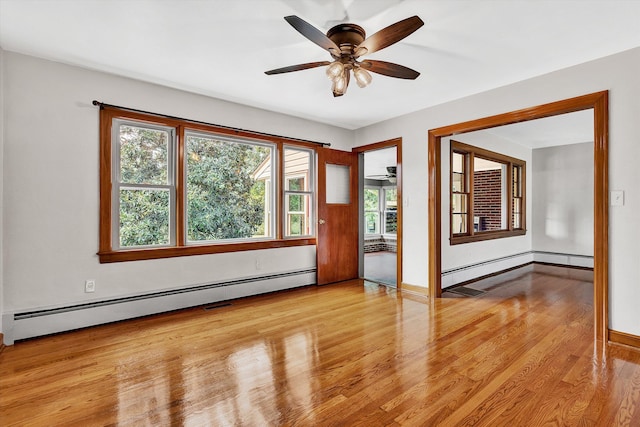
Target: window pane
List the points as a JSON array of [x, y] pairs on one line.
[[391, 198], [295, 184], [371, 199], [371, 223], [459, 203], [517, 213], [298, 221], [458, 223], [391, 222], [457, 160], [227, 184], [457, 182], [296, 203], [489, 194], [297, 169], [144, 217], [143, 155]]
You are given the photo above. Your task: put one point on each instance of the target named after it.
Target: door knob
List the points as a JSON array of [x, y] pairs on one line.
[[321, 221]]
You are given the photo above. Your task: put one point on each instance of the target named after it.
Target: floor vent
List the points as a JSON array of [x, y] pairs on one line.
[[468, 292], [214, 306]]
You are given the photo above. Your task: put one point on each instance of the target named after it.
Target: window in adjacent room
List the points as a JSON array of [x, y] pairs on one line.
[[487, 196], [390, 211], [372, 210], [381, 210]]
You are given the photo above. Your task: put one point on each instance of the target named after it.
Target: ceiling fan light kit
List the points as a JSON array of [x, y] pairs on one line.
[[346, 43]]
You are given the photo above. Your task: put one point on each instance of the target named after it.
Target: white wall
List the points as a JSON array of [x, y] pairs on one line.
[[1, 183], [51, 186], [50, 177], [563, 199], [618, 74]]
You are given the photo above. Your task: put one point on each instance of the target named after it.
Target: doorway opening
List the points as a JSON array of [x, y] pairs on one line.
[[380, 213], [596, 101]]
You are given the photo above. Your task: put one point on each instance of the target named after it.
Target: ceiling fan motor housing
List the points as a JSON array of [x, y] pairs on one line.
[[347, 37]]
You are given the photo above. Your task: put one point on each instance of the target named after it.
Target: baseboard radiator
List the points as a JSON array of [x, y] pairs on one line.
[[29, 324], [457, 275]]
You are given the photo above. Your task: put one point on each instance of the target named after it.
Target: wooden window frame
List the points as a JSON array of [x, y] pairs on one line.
[[470, 152], [108, 254], [309, 180]]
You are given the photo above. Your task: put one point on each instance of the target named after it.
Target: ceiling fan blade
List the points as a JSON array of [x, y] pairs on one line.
[[297, 67], [389, 35], [313, 34], [390, 69]]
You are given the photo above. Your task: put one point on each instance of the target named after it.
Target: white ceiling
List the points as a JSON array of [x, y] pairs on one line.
[[564, 129], [221, 48]]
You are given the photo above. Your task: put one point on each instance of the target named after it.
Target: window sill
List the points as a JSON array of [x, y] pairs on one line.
[[178, 251], [486, 235]]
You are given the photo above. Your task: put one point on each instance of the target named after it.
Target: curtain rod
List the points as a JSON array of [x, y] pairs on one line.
[[103, 105]]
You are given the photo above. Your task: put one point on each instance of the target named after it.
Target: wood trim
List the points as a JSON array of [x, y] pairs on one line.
[[393, 142], [486, 235], [279, 202], [389, 143], [106, 118], [435, 216], [2, 346], [177, 251], [624, 338], [180, 180], [400, 230], [601, 215], [414, 289], [598, 101]]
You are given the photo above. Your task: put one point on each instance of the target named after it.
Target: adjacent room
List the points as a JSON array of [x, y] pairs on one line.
[[319, 212]]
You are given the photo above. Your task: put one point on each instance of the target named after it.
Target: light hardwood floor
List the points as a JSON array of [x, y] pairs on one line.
[[348, 354]]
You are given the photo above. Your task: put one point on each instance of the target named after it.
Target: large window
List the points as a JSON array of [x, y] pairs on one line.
[[487, 197], [171, 188], [224, 200]]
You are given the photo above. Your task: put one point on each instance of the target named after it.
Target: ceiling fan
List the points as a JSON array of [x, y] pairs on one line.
[[390, 175], [347, 43]]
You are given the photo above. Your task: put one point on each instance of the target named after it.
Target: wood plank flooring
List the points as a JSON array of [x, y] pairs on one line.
[[521, 354]]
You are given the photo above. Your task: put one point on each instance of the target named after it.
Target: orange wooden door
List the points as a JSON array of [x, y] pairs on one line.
[[337, 244]]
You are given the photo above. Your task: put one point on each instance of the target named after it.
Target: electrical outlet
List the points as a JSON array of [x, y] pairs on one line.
[[89, 286]]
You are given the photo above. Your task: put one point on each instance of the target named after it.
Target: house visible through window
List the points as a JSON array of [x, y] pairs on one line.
[[298, 195], [172, 188], [224, 200], [487, 194]]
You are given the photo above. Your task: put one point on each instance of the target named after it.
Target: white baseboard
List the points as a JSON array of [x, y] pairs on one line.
[[21, 325], [563, 259], [457, 275], [463, 274]]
